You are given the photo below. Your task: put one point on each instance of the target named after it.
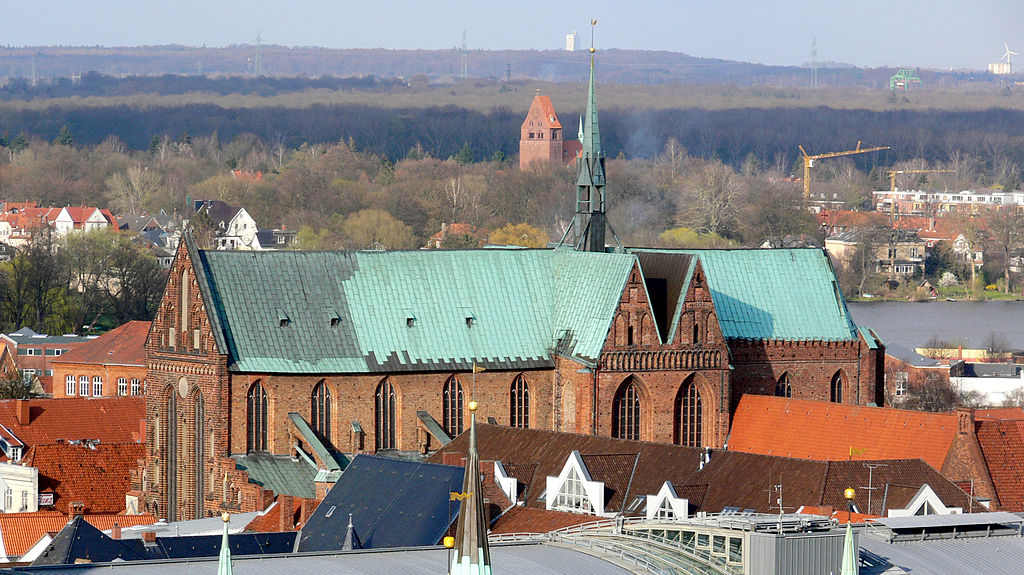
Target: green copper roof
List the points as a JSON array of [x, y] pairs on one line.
[[280, 474], [344, 312], [786, 294], [591, 173]]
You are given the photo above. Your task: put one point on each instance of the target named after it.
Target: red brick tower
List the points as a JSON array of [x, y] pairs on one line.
[[541, 140]]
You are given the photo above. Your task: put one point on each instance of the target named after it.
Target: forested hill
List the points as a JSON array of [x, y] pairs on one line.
[[619, 66]]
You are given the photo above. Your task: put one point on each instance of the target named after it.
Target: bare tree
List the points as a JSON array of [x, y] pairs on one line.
[[132, 190]]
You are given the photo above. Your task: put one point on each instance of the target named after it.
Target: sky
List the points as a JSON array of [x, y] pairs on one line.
[[942, 34]]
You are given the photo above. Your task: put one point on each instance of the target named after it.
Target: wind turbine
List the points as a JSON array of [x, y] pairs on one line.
[[1006, 56]]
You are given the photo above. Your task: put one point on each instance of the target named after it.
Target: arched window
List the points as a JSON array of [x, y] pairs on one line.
[[783, 388], [836, 388], [256, 418], [689, 415], [320, 408], [452, 407], [626, 412], [384, 423], [199, 415], [696, 330], [184, 307], [519, 403], [170, 470]]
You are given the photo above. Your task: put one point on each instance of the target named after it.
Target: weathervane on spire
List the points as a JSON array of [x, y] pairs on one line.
[[593, 24]]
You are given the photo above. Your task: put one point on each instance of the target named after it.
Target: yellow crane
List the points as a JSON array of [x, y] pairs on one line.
[[892, 174], [809, 162]]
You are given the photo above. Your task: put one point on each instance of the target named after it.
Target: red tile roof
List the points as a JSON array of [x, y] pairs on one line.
[[779, 426], [267, 522], [20, 531], [1002, 444], [123, 345], [1000, 413], [109, 419], [529, 520], [97, 476]]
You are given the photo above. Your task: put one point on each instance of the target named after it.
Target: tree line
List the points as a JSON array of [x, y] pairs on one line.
[[769, 136]]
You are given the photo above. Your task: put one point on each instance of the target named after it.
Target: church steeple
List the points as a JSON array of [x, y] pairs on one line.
[[590, 216]]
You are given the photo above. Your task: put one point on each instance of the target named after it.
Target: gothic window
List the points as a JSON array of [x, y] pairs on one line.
[[452, 407], [199, 415], [689, 415], [836, 388], [626, 412], [572, 496], [519, 403], [256, 418], [783, 388], [183, 328], [696, 331], [321, 410], [385, 424]]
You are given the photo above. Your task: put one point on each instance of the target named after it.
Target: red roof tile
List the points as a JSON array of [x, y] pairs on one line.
[[109, 419], [20, 531], [1002, 444], [123, 345], [269, 521], [530, 520], [779, 426], [1000, 413], [97, 476]]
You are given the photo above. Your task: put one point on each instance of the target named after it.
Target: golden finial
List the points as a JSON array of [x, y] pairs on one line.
[[849, 494], [473, 405], [225, 517], [449, 542]]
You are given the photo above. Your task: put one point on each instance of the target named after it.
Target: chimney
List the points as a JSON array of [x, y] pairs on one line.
[[115, 532], [149, 537], [23, 411], [965, 419], [77, 508]]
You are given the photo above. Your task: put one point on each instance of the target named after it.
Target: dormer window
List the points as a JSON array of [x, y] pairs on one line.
[[283, 319]]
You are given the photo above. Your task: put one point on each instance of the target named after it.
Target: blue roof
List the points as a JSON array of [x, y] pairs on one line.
[[393, 503]]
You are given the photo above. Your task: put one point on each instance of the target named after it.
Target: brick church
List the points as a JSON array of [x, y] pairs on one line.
[[264, 366], [542, 140]]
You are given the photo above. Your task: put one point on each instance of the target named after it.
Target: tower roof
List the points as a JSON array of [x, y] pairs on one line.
[[591, 167]]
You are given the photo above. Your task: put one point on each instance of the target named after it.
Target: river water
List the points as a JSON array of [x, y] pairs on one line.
[[912, 324]]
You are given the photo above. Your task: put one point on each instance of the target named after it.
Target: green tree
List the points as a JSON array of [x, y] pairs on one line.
[[15, 386], [523, 235], [35, 289], [1006, 228], [64, 137]]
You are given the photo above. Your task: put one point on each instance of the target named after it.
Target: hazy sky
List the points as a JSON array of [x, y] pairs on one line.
[[926, 33]]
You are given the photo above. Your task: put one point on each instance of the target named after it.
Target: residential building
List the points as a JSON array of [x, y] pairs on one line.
[[25, 423], [936, 202], [232, 227], [604, 477], [896, 251], [111, 364], [84, 477], [19, 488], [976, 449], [34, 352], [25, 536], [907, 371]]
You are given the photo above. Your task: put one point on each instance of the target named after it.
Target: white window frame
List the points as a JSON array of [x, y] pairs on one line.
[[83, 385], [70, 385], [97, 386], [574, 490], [122, 386], [136, 386]]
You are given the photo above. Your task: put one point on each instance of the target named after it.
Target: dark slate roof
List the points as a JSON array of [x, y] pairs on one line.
[[218, 210], [81, 541], [393, 504], [991, 370], [279, 473], [909, 356]]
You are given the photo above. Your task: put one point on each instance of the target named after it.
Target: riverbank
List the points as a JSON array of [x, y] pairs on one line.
[[912, 324]]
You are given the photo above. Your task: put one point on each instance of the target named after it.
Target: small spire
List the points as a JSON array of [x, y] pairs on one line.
[[473, 555], [224, 564], [351, 539], [850, 564]]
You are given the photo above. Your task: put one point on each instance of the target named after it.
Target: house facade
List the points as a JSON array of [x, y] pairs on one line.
[[542, 140], [109, 365]]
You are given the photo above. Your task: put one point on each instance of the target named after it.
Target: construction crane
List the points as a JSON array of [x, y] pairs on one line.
[[809, 162], [892, 174]]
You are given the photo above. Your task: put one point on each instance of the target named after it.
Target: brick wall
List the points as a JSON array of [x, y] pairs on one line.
[[109, 375]]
